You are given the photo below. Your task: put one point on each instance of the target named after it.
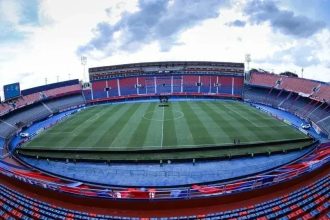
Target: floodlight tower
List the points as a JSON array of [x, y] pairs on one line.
[[84, 62], [248, 60]]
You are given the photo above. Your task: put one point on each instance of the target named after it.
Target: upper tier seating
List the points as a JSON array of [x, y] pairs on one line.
[[264, 79], [298, 85], [27, 100], [294, 84], [323, 93], [63, 91]]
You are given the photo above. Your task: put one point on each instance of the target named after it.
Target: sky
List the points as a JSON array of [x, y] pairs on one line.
[[42, 41]]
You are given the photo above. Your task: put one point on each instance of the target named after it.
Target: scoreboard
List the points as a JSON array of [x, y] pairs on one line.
[[11, 91]]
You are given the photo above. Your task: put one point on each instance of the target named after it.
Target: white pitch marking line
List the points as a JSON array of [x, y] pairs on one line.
[[162, 128]]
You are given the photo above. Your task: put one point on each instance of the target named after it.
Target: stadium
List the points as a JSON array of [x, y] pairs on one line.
[[167, 140]]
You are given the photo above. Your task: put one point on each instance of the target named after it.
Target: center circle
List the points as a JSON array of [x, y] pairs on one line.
[[160, 116]]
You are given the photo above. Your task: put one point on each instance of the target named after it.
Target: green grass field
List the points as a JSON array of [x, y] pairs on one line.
[[136, 126]]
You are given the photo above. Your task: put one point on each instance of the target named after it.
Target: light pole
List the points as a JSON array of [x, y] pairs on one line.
[[84, 62], [248, 60]]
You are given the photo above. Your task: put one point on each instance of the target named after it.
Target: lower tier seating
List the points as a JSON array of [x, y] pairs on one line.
[[304, 107], [65, 102], [312, 201], [12, 122]]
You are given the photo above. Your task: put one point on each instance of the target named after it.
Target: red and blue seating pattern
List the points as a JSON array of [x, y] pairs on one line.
[[228, 86], [313, 89], [320, 157], [306, 98], [310, 202], [31, 98]]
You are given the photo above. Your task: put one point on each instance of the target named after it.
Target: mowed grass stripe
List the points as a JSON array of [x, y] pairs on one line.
[[271, 126], [274, 123], [170, 139], [241, 130], [97, 129], [89, 125], [154, 132], [247, 126], [128, 137], [183, 134], [213, 129], [196, 127], [56, 136], [259, 126], [201, 123], [226, 129], [73, 122], [140, 132], [111, 132]]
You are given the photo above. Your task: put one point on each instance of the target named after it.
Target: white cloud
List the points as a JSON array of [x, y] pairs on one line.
[[50, 50], [9, 11]]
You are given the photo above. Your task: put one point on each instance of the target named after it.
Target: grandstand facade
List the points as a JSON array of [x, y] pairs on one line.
[[298, 189]]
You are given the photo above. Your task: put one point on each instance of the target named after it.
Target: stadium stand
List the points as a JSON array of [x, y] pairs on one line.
[[87, 93], [66, 90], [226, 84], [6, 129], [128, 86], [322, 93], [305, 98], [57, 105], [189, 83], [2, 145], [23, 118], [264, 79], [308, 202], [37, 94], [99, 89], [205, 84], [298, 85], [164, 84], [5, 108], [153, 85]]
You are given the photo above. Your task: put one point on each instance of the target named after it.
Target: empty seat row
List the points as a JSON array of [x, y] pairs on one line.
[[312, 201], [304, 107]]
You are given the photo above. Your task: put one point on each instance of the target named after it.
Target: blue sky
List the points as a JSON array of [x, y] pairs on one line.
[[44, 39]]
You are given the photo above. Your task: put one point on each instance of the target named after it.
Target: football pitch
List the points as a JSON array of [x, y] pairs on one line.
[[147, 126]]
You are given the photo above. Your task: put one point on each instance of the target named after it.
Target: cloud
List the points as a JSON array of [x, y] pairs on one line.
[[236, 23], [300, 55], [16, 17], [159, 21], [280, 20]]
